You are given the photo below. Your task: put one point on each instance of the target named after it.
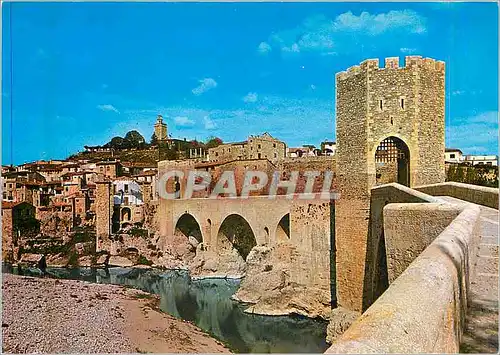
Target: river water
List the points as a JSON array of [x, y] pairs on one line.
[[207, 303]]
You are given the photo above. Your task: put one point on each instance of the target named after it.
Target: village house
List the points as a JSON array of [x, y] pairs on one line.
[[256, 147], [304, 151], [134, 168], [491, 160], [453, 155], [128, 203], [51, 173], [328, 148], [110, 169], [18, 218], [70, 168]]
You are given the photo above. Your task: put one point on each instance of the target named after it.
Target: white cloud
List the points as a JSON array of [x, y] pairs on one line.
[[408, 50], [209, 123], [183, 121], [474, 135], [108, 108], [205, 85], [250, 97], [376, 24], [313, 87], [284, 118], [458, 92], [264, 48], [319, 33]]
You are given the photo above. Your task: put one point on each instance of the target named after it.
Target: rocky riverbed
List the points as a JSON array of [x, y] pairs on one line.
[[65, 316]]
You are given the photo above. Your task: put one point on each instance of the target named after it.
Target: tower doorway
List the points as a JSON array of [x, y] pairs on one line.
[[392, 160]]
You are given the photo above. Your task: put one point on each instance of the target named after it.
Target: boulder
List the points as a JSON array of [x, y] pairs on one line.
[[340, 320], [102, 260], [116, 260], [193, 242], [30, 258]]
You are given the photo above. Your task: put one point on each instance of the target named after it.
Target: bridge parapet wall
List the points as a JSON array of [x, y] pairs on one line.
[[376, 280], [423, 310], [481, 195]]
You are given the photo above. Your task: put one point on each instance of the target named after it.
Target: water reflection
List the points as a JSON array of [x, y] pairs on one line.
[[208, 304]]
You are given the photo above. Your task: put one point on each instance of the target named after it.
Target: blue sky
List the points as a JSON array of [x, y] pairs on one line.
[[85, 72]]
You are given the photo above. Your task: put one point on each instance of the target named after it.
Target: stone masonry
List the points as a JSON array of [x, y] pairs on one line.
[[373, 104], [104, 204]]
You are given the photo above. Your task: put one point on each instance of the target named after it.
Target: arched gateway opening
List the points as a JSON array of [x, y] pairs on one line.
[[392, 161], [283, 228], [188, 226], [236, 232]]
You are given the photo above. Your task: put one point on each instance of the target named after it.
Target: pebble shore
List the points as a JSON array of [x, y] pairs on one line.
[[43, 315]]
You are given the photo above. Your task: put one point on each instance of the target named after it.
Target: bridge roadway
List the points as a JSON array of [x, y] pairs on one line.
[[481, 333]]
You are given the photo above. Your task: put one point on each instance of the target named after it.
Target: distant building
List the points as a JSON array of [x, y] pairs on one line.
[[127, 192], [452, 155], [491, 160], [256, 147], [128, 202], [328, 148], [304, 151], [110, 169], [18, 219], [161, 132]]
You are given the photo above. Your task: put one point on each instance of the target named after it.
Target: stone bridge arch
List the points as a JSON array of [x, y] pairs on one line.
[[188, 225], [236, 232], [282, 231]]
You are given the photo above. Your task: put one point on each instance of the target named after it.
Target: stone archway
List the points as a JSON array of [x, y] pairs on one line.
[[126, 214], [235, 232], [283, 228], [188, 226], [392, 162]]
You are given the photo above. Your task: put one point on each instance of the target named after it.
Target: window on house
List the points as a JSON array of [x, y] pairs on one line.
[[259, 155], [275, 155], [489, 163], [381, 106], [107, 168], [126, 187], [229, 150], [452, 156], [5, 195], [258, 146], [101, 168], [402, 103], [274, 145]]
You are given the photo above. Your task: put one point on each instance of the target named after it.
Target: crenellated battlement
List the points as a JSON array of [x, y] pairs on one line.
[[411, 62]]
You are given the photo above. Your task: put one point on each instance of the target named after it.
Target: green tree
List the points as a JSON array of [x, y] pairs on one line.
[[213, 142], [134, 139], [153, 140], [116, 143]]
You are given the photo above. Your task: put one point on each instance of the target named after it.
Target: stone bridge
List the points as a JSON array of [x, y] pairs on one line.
[[304, 226]]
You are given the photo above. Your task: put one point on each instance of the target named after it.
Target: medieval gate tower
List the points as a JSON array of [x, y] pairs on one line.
[[390, 128]]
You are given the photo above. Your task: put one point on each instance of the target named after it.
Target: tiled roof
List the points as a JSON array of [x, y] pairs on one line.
[[10, 204]]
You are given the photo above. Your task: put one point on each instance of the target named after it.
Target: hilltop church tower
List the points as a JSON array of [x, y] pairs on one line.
[[160, 129], [390, 127]]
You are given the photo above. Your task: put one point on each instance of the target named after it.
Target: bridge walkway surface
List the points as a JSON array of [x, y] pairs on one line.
[[481, 333]]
